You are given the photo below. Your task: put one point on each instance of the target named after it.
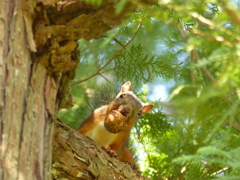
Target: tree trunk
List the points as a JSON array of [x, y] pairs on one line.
[[38, 56], [27, 115]]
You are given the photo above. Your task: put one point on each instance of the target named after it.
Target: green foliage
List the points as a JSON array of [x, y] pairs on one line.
[[119, 5], [95, 2], [193, 46], [136, 66], [212, 159]]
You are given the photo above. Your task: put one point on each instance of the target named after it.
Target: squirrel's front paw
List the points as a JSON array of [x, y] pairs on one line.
[[111, 152]]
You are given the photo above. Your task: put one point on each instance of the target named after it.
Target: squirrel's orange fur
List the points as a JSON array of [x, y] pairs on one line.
[[129, 106]]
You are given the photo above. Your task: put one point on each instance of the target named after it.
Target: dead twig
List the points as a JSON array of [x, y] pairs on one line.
[[116, 40]]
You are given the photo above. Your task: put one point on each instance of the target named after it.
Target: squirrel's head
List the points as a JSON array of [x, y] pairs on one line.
[[128, 104]]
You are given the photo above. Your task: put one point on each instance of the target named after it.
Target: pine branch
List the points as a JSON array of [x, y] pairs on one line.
[[220, 171], [195, 55], [110, 60], [195, 16], [136, 65]]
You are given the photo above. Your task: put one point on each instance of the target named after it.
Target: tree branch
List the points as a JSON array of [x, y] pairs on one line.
[[110, 60], [116, 40], [204, 69], [78, 157], [195, 55]]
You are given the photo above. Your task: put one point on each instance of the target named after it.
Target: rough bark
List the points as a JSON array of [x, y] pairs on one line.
[[78, 157], [26, 114], [38, 55]]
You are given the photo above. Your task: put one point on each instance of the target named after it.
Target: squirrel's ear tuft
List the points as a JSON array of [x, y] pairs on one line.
[[126, 87], [147, 108]]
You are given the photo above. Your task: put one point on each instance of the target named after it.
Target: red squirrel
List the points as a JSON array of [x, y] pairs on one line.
[[130, 108]]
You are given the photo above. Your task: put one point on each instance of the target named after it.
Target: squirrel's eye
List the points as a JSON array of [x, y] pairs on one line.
[[139, 113], [122, 95]]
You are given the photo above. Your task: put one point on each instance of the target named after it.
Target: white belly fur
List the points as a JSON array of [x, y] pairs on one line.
[[101, 135]]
